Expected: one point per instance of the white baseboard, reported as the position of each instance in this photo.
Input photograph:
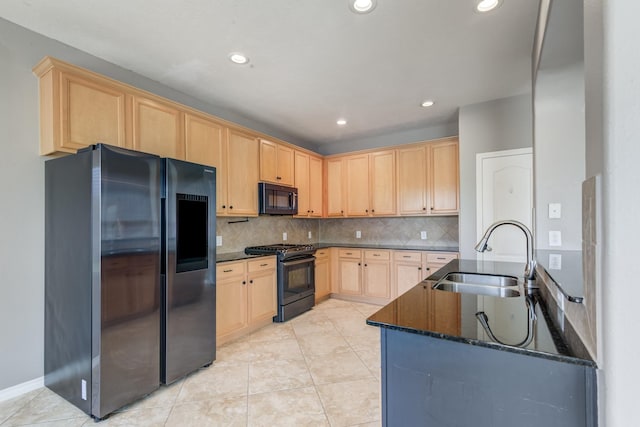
(19, 389)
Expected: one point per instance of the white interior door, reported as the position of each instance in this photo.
(504, 191)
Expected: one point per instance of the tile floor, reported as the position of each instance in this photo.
(319, 369)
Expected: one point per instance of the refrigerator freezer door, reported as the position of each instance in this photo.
(188, 268)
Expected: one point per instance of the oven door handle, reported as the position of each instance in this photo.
(298, 261)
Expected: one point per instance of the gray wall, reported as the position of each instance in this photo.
(559, 153)
(621, 160)
(503, 124)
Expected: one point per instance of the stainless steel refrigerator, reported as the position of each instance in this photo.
(106, 250)
(188, 268)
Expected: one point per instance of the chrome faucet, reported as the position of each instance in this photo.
(530, 268)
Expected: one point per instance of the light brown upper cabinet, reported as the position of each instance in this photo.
(206, 143)
(335, 200)
(156, 127)
(77, 111)
(308, 181)
(242, 174)
(370, 186)
(428, 178)
(445, 181)
(276, 163)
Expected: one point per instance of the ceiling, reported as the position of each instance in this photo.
(311, 61)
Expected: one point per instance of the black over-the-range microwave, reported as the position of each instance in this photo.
(277, 199)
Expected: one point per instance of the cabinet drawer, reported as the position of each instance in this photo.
(407, 256)
(377, 255)
(230, 269)
(322, 253)
(262, 264)
(441, 258)
(349, 253)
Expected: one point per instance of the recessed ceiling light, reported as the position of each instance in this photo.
(341, 122)
(487, 5)
(427, 103)
(238, 58)
(362, 6)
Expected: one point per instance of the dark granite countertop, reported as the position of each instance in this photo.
(565, 269)
(235, 256)
(507, 317)
(387, 246)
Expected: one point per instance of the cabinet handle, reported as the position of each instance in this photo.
(376, 254)
(440, 257)
(230, 207)
(277, 177)
(349, 253)
(366, 210)
(431, 207)
(424, 209)
(251, 281)
(263, 265)
(341, 212)
(419, 268)
(224, 206)
(406, 256)
(359, 264)
(244, 282)
(227, 271)
(428, 269)
(365, 265)
(373, 210)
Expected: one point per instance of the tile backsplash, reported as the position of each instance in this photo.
(405, 231)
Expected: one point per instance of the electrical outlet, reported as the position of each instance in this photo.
(423, 235)
(358, 234)
(555, 238)
(309, 235)
(284, 236)
(555, 210)
(218, 240)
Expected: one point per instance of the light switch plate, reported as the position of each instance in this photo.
(555, 261)
(555, 210)
(555, 238)
(423, 235)
(284, 236)
(218, 240)
(358, 234)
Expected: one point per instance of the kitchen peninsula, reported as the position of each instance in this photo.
(528, 377)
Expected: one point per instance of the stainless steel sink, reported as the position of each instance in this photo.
(479, 284)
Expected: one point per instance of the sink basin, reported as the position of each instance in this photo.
(479, 284)
(481, 279)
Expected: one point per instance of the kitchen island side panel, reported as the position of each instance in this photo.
(436, 382)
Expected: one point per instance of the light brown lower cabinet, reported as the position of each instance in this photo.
(323, 274)
(245, 297)
(364, 274)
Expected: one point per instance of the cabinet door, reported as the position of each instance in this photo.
(242, 172)
(157, 128)
(268, 161)
(382, 177)
(262, 296)
(205, 144)
(412, 180)
(376, 281)
(276, 163)
(302, 183)
(335, 187)
(91, 113)
(349, 276)
(231, 306)
(357, 185)
(407, 274)
(445, 183)
(315, 186)
(323, 286)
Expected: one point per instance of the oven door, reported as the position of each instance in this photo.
(296, 279)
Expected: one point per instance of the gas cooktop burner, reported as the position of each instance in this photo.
(282, 250)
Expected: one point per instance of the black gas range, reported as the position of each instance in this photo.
(296, 277)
